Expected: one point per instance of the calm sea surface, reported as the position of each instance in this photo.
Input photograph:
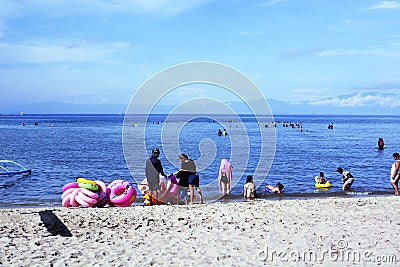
(63, 147)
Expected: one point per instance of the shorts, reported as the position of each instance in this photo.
(266, 189)
(396, 178)
(349, 182)
(224, 179)
(183, 193)
(194, 180)
(154, 186)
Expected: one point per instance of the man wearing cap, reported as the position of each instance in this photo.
(155, 153)
(153, 171)
(395, 174)
(347, 179)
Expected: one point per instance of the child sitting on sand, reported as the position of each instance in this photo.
(249, 189)
(275, 189)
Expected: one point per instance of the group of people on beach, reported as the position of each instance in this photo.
(188, 178)
(249, 188)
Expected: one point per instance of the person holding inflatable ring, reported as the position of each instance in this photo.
(194, 179)
(188, 177)
(183, 179)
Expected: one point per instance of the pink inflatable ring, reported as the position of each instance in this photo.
(121, 192)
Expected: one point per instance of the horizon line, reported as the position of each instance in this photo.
(185, 114)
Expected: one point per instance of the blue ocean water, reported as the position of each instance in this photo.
(63, 147)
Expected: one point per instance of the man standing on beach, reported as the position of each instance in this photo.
(394, 173)
(347, 178)
(153, 171)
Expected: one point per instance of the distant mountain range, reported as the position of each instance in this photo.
(368, 103)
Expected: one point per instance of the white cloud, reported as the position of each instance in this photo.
(352, 52)
(65, 51)
(190, 91)
(61, 8)
(392, 51)
(250, 33)
(2, 28)
(386, 5)
(361, 100)
(393, 40)
(271, 2)
(309, 94)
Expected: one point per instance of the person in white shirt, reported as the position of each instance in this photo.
(347, 178)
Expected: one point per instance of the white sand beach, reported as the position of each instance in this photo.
(326, 232)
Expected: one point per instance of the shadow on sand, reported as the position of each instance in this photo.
(53, 224)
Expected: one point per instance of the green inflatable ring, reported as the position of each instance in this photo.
(89, 186)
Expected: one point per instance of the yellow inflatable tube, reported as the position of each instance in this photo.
(85, 181)
(326, 185)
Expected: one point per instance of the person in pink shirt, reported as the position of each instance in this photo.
(225, 177)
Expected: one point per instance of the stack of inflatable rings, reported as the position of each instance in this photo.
(84, 193)
(168, 191)
(122, 193)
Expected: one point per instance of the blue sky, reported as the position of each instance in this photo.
(302, 52)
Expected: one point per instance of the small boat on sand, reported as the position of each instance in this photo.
(9, 168)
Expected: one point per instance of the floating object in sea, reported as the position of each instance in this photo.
(9, 168)
(326, 185)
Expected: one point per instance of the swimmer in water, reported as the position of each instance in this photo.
(275, 189)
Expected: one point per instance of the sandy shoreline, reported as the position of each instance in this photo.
(330, 231)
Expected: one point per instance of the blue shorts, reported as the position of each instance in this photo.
(266, 189)
(183, 193)
(194, 180)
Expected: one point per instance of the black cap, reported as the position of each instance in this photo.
(155, 153)
(340, 170)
